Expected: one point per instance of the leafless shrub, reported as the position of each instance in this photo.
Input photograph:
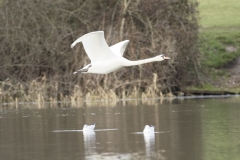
(36, 35)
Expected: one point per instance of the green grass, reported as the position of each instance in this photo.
(220, 28)
(219, 13)
(214, 44)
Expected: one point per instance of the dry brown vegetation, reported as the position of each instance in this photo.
(37, 62)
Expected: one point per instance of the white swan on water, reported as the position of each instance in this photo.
(105, 59)
(88, 127)
(148, 129)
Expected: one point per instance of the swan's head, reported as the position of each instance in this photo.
(147, 127)
(162, 57)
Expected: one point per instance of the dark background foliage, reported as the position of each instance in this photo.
(36, 35)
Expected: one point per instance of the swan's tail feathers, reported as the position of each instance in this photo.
(84, 69)
(80, 71)
(75, 42)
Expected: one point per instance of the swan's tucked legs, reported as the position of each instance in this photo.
(85, 69)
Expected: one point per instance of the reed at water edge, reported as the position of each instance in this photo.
(41, 92)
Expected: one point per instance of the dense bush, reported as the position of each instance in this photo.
(35, 39)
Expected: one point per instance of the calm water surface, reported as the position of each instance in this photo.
(187, 129)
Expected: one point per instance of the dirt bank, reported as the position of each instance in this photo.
(234, 70)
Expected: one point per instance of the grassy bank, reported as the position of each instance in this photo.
(219, 46)
(219, 38)
(219, 13)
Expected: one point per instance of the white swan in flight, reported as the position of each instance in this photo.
(105, 59)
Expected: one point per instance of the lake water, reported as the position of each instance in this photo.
(186, 129)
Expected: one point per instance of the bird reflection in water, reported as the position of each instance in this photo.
(149, 139)
(89, 138)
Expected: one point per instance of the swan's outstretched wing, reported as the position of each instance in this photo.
(119, 48)
(95, 46)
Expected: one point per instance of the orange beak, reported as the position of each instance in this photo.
(165, 57)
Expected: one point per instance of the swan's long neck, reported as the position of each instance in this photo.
(139, 62)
